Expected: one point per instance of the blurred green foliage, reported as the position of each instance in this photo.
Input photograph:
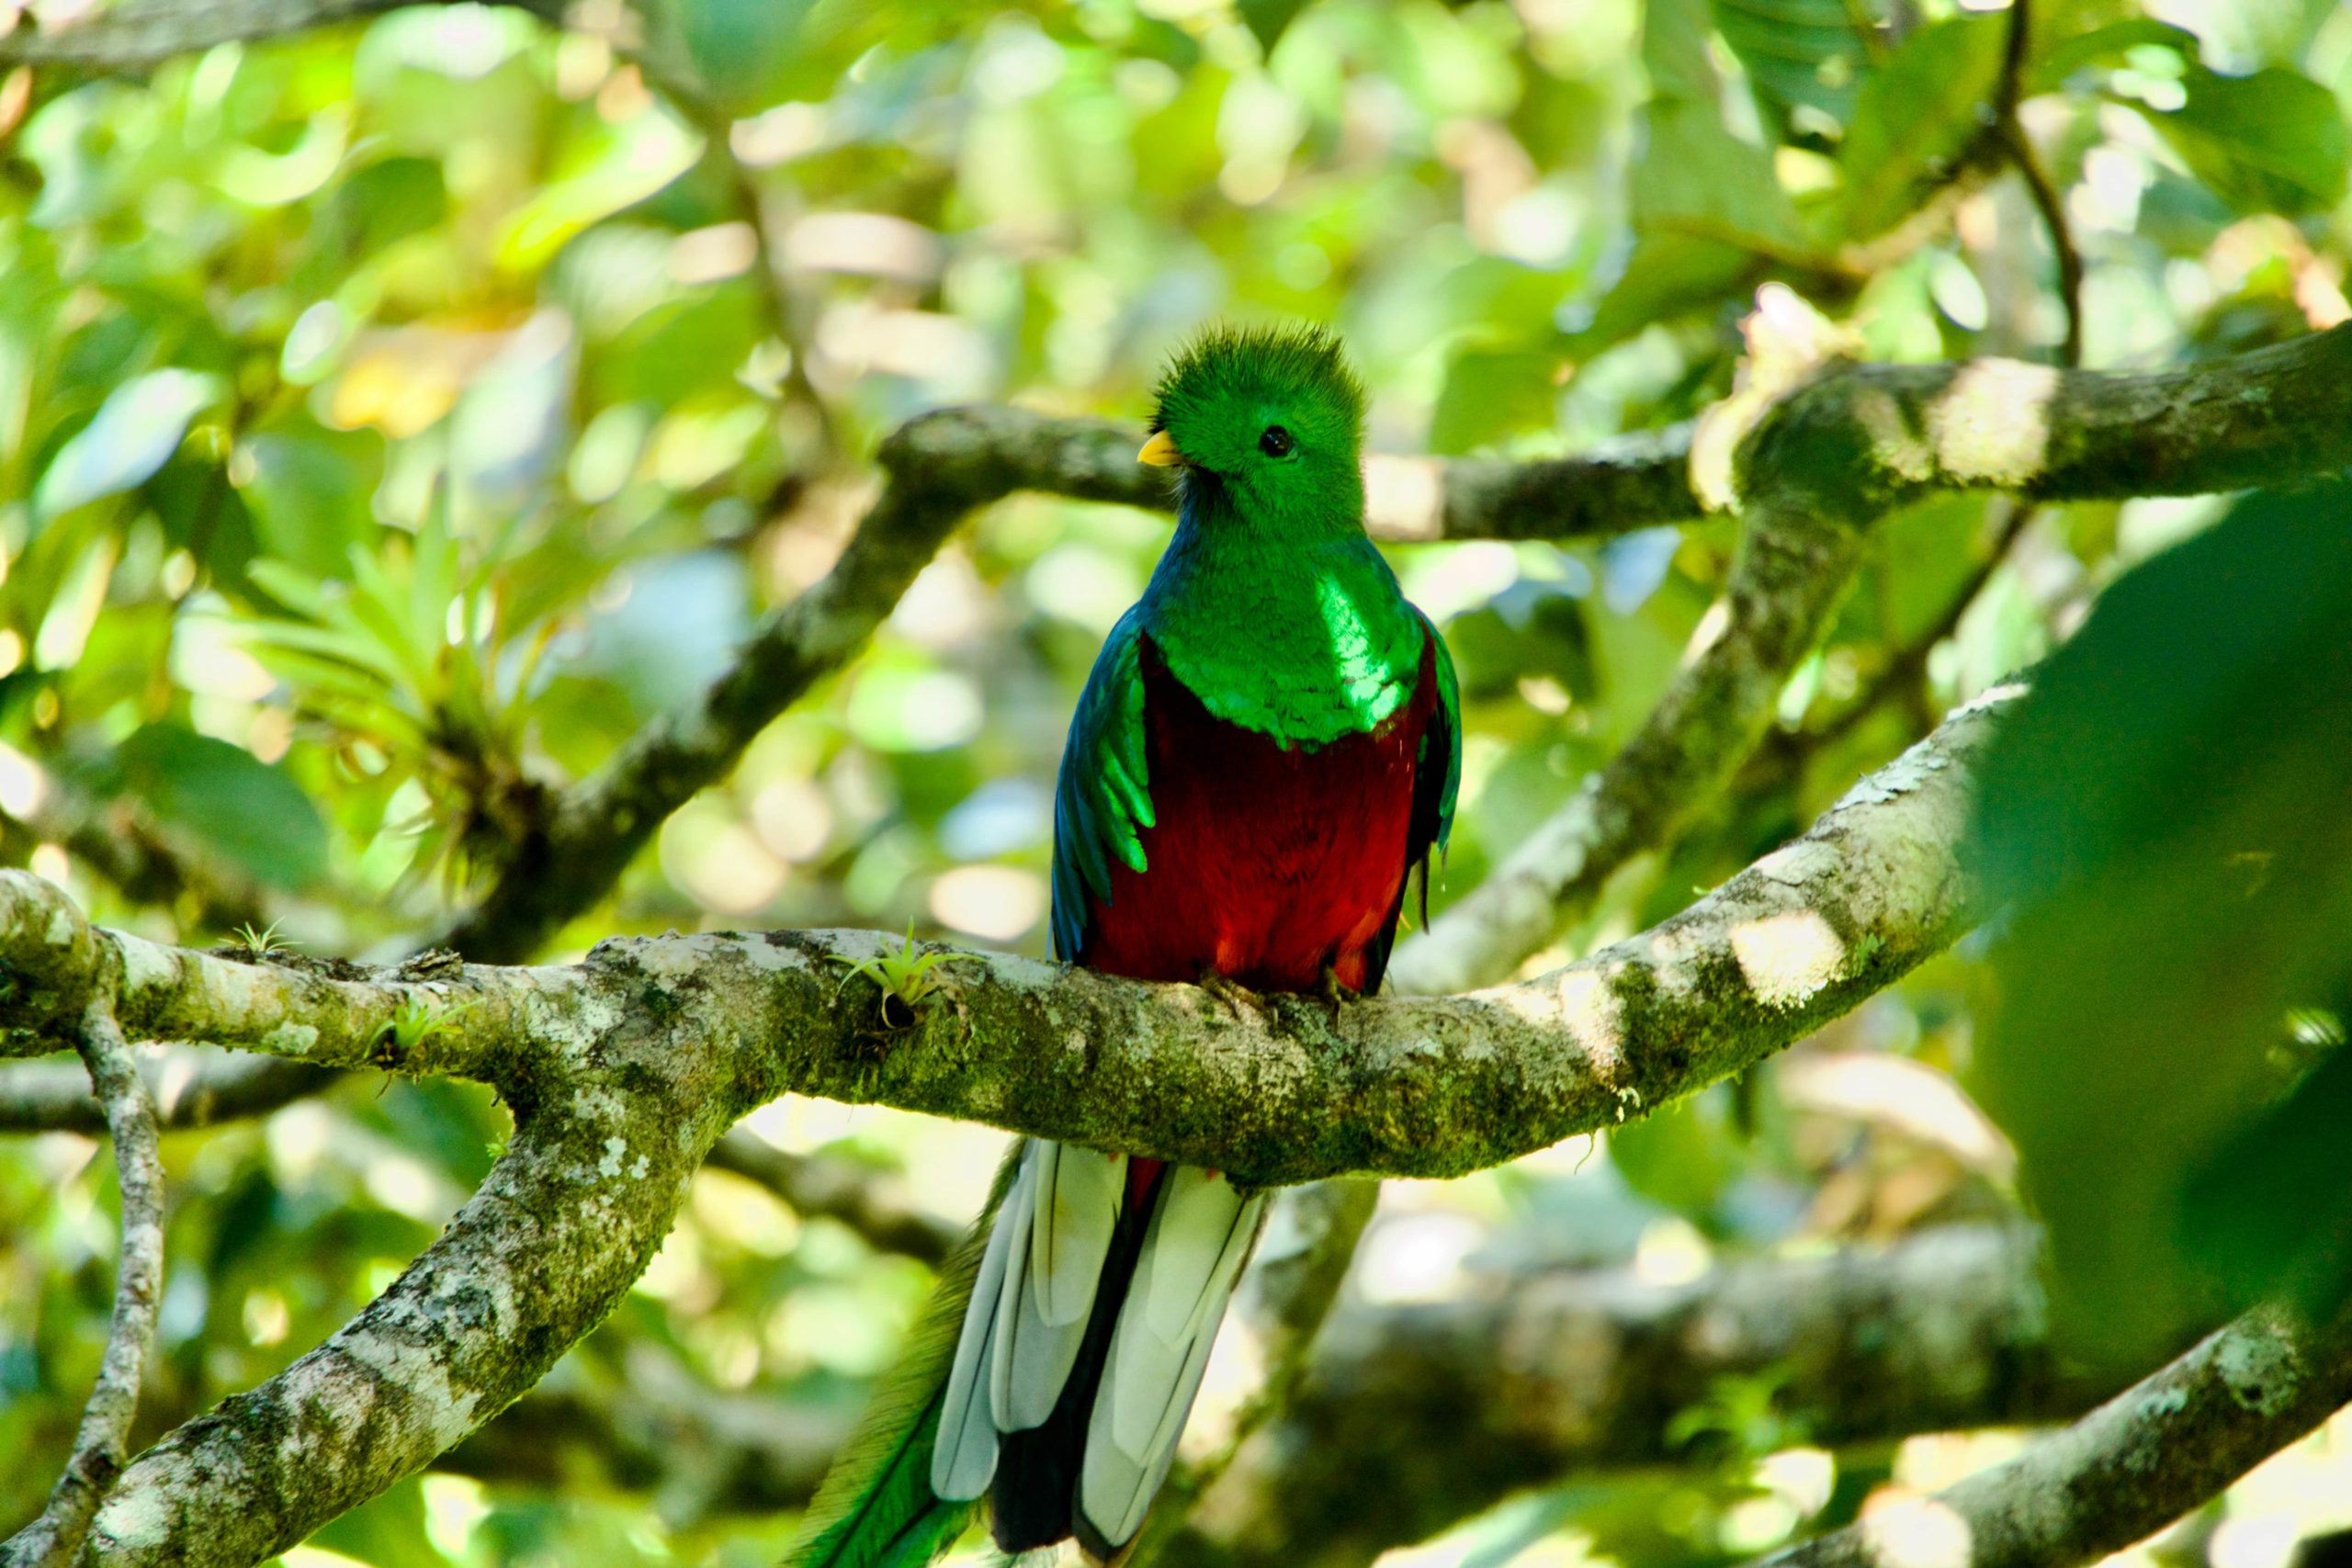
(2169, 822)
(393, 418)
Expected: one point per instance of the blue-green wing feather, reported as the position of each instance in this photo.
(1102, 799)
(1435, 786)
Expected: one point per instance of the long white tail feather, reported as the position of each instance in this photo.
(1187, 1236)
(1017, 1222)
(962, 1461)
(1177, 1272)
(1078, 1193)
(1083, 1191)
(1031, 1302)
(1139, 1411)
(1115, 1487)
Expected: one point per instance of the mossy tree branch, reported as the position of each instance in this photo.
(623, 1071)
(2123, 1472)
(1277, 1090)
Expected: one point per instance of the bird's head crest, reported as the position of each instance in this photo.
(1273, 414)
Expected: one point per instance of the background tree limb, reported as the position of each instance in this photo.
(1415, 1417)
(2123, 1472)
(103, 1443)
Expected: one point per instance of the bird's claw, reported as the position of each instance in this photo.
(1238, 998)
(1336, 992)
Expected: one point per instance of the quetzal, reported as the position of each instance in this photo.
(1267, 744)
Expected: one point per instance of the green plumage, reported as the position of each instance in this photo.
(875, 1508)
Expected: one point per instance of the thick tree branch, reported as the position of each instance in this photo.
(1414, 1417)
(2125, 1471)
(608, 1129)
(1276, 1090)
(623, 1071)
(103, 1441)
(1565, 1372)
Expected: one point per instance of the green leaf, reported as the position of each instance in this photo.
(1664, 275)
(1490, 393)
(2273, 1210)
(2105, 47)
(1693, 177)
(1914, 117)
(1269, 20)
(311, 491)
(2273, 141)
(1674, 49)
(1796, 52)
(227, 800)
(2168, 821)
(134, 431)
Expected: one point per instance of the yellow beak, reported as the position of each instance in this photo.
(1160, 451)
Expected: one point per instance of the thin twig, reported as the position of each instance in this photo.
(676, 86)
(2052, 209)
(190, 1088)
(2018, 148)
(103, 1443)
(1785, 751)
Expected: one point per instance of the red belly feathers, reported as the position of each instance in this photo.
(1264, 864)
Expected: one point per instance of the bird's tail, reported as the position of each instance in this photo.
(876, 1507)
(1088, 1328)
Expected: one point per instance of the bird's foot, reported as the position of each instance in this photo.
(1238, 998)
(1336, 992)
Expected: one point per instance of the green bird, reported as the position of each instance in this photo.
(1269, 743)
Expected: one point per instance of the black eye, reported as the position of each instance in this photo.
(1276, 442)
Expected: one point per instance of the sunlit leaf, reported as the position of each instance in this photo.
(2274, 141)
(1797, 53)
(132, 434)
(1914, 117)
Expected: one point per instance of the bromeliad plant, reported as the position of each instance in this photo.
(906, 978)
(418, 667)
